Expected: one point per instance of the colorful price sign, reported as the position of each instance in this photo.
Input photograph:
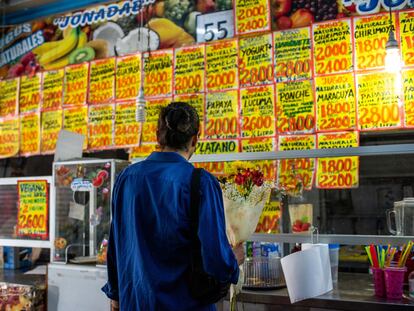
(29, 134)
(338, 172)
(407, 37)
(51, 125)
(295, 107)
(371, 35)
(158, 68)
(128, 77)
(217, 147)
(222, 64)
(100, 127)
(33, 208)
(75, 86)
(335, 100)
(142, 151)
(149, 130)
(76, 120)
(258, 111)
(293, 54)
(294, 174)
(378, 101)
(9, 97)
(258, 144)
(269, 221)
(127, 129)
(222, 118)
(52, 88)
(252, 16)
(198, 102)
(9, 137)
(29, 99)
(256, 60)
(408, 83)
(332, 46)
(215, 168)
(101, 81)
(269, 169)
(189, 68)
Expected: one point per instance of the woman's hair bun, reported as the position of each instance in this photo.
(178, 119)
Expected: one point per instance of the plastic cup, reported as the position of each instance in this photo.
(394, 278)
(334, 259)
(379, 283)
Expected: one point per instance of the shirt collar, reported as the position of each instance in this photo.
(166, 157)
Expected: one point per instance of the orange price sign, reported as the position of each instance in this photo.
(378, 101)
(215, 168)
(338, 172)
(332, 46)
(153, 109)
(258, 111)
(269, 221)
(189, 69)
(100, 127)
(9, 97)
(76, 120)
(222, 64)
(371, 35)
(295, 107)
(407, 37)
(127, 129)
(52, 88)
(33, 208)
(198, 102)
(222, 117)
(101, 81)
(75, 86)
(256, 60)
(128, 77)
(252, 16)
(30, 134)
(408, 84)
(29, 99)
(258, 144)
(142, 151)
(335, 101)
(217, 147)
(9, 137)
(296, 173)
(293, 54)
(158, 68)
(51, 125)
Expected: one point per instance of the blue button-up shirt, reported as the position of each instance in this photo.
(150, 238)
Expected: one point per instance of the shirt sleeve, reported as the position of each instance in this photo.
(218, 257)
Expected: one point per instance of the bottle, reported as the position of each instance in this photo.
(411, 284)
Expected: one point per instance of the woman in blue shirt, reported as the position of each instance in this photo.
(150, 239)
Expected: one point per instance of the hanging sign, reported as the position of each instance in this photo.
(252, 16)
(198, 102)
(29, 99)
(30, 134)
(52, 89)
(293, 54)
(9, 137)
(127, 129)
(76, 120)
(153, 109)
(75, 86)
(258, 144)
(51, 125)
(189, 68)
(217, 147)
(100, 126)
(269, 221)
(335, 101)
(128, 77)
(221, 65)
(408, 85)
(215, 168)
(406, 20)
(9, 97)
(158, 68)
(101, 81)
(256, 60)
(142, 151)
(33, 208)
(332, 47)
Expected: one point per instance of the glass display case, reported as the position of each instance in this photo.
(82, 196)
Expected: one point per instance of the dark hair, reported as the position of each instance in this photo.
(177, 124)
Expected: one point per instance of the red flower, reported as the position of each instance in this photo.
(239, 179)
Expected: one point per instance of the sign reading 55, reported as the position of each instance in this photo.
(215, 26)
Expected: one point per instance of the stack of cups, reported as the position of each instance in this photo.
(388, 282)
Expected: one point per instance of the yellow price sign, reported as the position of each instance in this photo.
(128, 77)
(371, 35)
(293, 54)
(335, 101)
(215, 168)
(256, 60)
(408, 84)
(217, 146)
(33, 208)
(142, 151)
(222, 65)
(158, 68)
(127, 129)
(332, 46)
(258, 111)
(189, 68)
(252, 16)
(29, 134)
(76, 120)
(153, 109)
(222, 115)
(198, 102)
(30, 96)
(9, 97)
(378, 101)
(9, 137)
(52, 123)
(100, 127)
(295, 107)
(258, 144)
(101, 81)
(269, 221)
(407, 37)
(52, 88)
(75, 86)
